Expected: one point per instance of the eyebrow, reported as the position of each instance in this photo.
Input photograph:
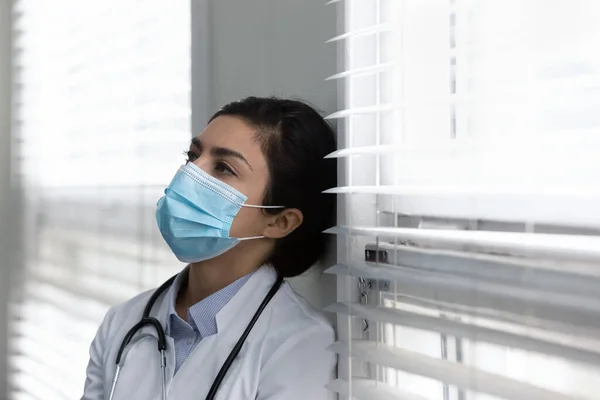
(222, 152)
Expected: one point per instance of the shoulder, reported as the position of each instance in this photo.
(132, 308)
(121, 317)
(294, 325)
(294, 312)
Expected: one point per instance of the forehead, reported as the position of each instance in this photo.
(232, 133)
(235, 134)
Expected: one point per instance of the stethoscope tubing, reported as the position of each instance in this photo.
(146, 320)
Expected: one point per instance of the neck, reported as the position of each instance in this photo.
(209, 276)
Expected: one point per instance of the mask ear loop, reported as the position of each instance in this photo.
(253, 206)
(250, 238)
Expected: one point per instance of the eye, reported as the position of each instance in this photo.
(223, 168)
(190, 156)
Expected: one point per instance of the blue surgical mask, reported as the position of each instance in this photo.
(196, 212)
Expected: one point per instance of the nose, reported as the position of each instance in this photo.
(204, 162)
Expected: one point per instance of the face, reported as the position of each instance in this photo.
(228, 151)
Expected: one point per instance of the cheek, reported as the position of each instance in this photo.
(248, 222)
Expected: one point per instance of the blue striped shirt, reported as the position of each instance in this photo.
(201, 317)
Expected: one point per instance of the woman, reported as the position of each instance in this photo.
(245, 210)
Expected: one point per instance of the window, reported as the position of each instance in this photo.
(469, 225)
(102, 113)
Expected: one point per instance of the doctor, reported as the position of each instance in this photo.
(244, 212)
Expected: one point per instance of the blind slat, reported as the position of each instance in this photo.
(361, 110)
(371, 30)
(466, 331)
(539, 245)
(580, 278)
(372, 69)
(448, 372)
(571, 193)
(367, 389)
(489, 275)
(569, 309)
(500, 147)
(473, 311)
(466, 201)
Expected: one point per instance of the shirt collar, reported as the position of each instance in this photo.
(202, 315)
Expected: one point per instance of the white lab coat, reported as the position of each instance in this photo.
(285, 357)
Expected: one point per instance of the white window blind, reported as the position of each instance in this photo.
(469, 223)
(102, 115)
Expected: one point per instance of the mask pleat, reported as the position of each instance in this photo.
(183, 226)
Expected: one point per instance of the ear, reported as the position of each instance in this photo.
(283, 223)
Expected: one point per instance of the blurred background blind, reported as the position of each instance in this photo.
(102, 115)
(469, 229)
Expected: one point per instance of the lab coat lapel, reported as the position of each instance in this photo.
(240, 310)
(196, 375)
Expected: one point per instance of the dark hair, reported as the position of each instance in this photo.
(294, 139)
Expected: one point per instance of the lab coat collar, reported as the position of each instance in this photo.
(164, 302)
(160, 311)
(231, 321)
(171, 297)
(253, 291)
(202, 315)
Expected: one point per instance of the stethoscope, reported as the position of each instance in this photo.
(162, 341)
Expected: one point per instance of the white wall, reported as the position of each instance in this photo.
(265, 47)
(5, 194)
